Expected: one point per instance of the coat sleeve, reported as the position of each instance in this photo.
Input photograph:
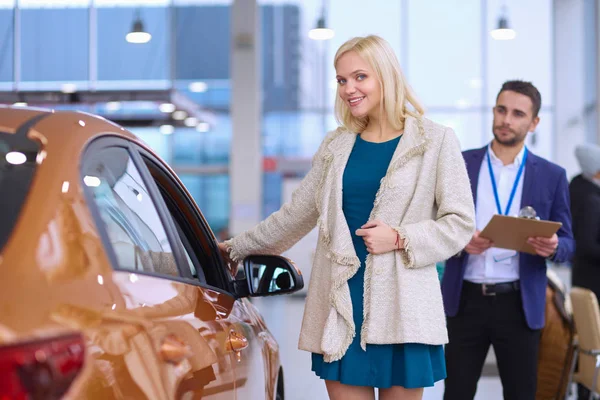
(285, 227)
(589, 243)
(561, 212)
(427, 242)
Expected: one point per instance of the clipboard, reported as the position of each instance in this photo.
(512, 232)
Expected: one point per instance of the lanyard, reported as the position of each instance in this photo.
(514, 189)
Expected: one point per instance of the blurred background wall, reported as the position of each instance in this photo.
(176, 91)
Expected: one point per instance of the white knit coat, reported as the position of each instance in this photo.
(425, 196)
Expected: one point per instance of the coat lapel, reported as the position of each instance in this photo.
(341, 245)
(474, 161)
(413, 143)
(529, 183)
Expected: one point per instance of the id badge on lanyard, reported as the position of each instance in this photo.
(504, 256)
(515, 185)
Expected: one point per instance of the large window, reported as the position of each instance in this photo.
(444, 47)
(59, 54)
(6, 47)
(444, 63)
(137, 65)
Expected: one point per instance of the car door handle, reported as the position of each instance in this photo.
(174, 350)
(236, 342)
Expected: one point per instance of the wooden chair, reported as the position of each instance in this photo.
(556, 344)
(586, 314)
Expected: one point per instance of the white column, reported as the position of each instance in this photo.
(569, 82)
(245, 170)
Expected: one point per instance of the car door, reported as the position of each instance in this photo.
(250, 344)
(180, 346)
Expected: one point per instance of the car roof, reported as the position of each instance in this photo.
(12, 118)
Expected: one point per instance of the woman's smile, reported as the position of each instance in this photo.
(355, 101)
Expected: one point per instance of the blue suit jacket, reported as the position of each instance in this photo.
(546, 189)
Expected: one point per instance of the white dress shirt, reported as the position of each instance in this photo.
(496, 265)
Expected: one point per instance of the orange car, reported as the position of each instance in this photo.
(112, 285)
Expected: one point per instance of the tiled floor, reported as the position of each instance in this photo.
(284, 316)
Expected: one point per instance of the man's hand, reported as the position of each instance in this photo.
(379, 237)
(544, 247)
(478, 245)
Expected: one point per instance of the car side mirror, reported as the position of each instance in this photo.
(271, 275)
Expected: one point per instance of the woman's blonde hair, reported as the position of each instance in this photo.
(396, 94)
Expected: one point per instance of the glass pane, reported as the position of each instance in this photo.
(281, 55)
(160, 143)
(272, 182)
(17, 170)
(203, 42)
(119, 60)
(216, 94)
(211, 193)
(349, 18)
(295, 134)
(541, 141)
(193, 148)
(468, 127)
(591, 18)
(6, 45)
(55, 44)
(132, 222)
(529, 56)
(444, 58)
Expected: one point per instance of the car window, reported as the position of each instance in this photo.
(17, 169)
(133, 225)
(192, 260)
(198, 243)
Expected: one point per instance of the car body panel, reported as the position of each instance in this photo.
(146, 336)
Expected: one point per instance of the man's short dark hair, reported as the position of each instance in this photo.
(528, 90)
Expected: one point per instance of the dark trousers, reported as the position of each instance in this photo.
(491, 320)
(582, 392)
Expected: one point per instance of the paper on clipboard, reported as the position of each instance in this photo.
(512, 232)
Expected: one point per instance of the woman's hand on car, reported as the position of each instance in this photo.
(231, 265)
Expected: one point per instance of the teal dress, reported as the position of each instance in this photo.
(411, 365)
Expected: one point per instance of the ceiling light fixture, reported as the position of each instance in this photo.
(167, 107)
(190, 121)
(68, 88)
(203, 127)
(113, 106)
(198, 87)
(179, 115)
(138, 34)
(321, 32)
(503, 30)
(166, 129)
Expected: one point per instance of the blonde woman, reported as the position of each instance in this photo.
(390, 194)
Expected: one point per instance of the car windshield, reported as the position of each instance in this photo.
(17, 168)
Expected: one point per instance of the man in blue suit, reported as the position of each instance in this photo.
(496, 296)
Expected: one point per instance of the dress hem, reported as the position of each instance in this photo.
(344, 382)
